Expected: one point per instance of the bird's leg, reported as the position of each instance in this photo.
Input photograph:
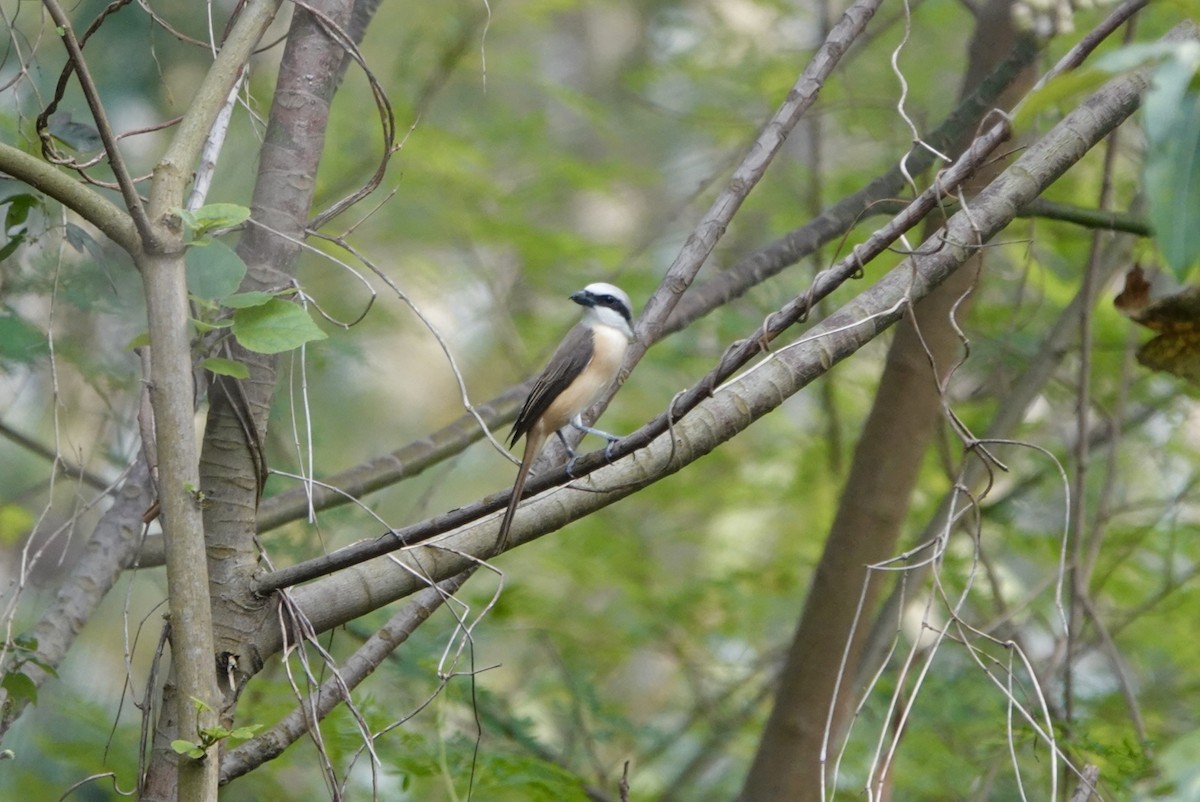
(570, 462)
(612, 439)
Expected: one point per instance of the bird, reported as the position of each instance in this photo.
(581, 370)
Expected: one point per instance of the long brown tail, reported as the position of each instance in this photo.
(533, 444)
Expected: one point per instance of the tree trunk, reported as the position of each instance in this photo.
(232, 461)
(817, 690)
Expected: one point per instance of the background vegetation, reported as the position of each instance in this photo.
(1027, 509)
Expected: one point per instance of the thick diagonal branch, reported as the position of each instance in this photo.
(351, 593)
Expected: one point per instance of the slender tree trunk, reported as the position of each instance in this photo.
(817, 691)
(868, 522)
(232, 461)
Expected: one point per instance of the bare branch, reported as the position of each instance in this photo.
(353, 671)
(133, 202)
(712, 225)
(839, 218)
(737, 357)
(113, 541)
(66, 466)
(416, 457)
(116, 224)
(735, 405)
(176, 165)
(1087, 784)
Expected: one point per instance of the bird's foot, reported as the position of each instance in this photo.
(608, 449)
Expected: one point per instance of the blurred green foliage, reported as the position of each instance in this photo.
(549, 144)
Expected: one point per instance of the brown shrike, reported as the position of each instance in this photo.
(582, 369)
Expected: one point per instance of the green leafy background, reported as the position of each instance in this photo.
(650, 632)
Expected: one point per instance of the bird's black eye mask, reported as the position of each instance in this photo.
(614, 303)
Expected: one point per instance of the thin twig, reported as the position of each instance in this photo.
(746, 175)
(69, 468)
(133, 202)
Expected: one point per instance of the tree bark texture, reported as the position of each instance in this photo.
(233, 460)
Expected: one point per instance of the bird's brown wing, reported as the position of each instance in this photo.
(565, 365)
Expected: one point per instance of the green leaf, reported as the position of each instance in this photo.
(1168, 89)
(10, 247)
(528, 778)
(274, 327)
(14, 221)
(19, 341)
(15, 524)
(214, 734)
(1130, 57)
(1172, 180)
(245, 733)
(213, 270)
(26, 641)
(81, 136)
(19, 206)
(139, 341)
(212, 217)
(187, 748)
(244, 300)
(227, 367)
(200, 705)
(83, 242)
(20, 686)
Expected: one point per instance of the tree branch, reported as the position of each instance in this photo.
(105, 215)
(346, 678)
(712, 226)
(403, 463)
(737, 356)
(179, 160)
(193, 654)
(171, 395)
(416, 457)
(133, 202)
(734, 406)
(1010, 411)
(113, 540)
(839, 218)
(67, 467)
(1100, 219)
